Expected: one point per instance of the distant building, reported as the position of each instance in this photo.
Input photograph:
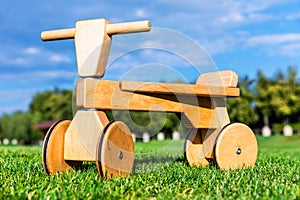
(44, 126)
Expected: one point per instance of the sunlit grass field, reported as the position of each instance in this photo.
(160, 172)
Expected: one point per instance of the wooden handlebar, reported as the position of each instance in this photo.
(111, 29)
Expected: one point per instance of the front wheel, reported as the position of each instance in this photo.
(193, 149)
(115, 151)
(53, 149)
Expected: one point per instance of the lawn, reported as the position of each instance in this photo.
(160, 172)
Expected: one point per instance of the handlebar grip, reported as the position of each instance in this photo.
(111, 29)
(61, 34)
(128, 27)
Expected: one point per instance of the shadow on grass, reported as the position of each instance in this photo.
(152, 163)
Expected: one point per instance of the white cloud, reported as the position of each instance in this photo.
(258, 5)
(232, 17)
(36, 76)
(20, 61)
(292, 49)
(30, 56)
(226, 44)
(59, 58)
(53, 74)
(287, 44)
(216, 12)
(273, 39)
(140, 13)
(293, 16)
(32, 51)
(287, 50)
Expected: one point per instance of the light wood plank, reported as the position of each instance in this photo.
(82, 135)
(211, 134)
(92, 47)
(179, 89)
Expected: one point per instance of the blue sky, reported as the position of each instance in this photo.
(245, 36)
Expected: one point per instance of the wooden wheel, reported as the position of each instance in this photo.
(193, 149)
(53, 149)
(115, 151)
(236, 147)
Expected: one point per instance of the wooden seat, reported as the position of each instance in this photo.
(178, 89)
(215, 84)
(227, 78)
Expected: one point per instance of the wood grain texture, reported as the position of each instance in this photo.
(53, 149)
(115, 151)
(61, 34)
(82, 135)
(225, 78)
(211, 133)
(106, 95)
(92, 47)
(128, 27)
(179, 89)
(193, 149)
(236, 147)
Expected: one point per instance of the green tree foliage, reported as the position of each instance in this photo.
(150, 122)
(286, 99)
(278, 98)
(241, 109)
(5, 123)
(51, 105)
(18, 126)
(263, 96)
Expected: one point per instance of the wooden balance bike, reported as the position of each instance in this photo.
(91, 137)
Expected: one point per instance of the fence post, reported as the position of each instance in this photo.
(146, 137)
(160, 136)
(287, 130)
(266, 131)
(175, 136)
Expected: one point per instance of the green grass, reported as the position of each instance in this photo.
(275, 176)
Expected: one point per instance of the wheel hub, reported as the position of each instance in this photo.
(238, 151)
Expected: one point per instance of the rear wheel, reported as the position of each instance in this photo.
(236, 147)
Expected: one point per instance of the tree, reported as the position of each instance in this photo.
(51, 105)
(263, 97)
(18, 126)
(278, 98)
(241, 109)
(5, 123)
(285, 95)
